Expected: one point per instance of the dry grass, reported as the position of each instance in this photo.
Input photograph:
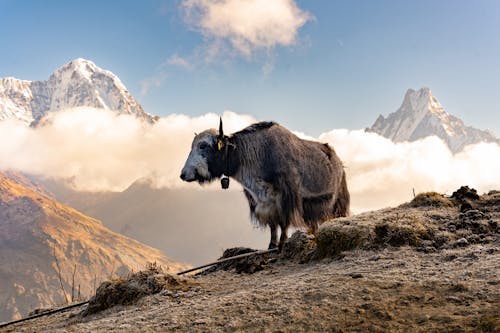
(430, 199)
(429, 222)
(300, 246)
(332, 239)
(127, 290)
(402, 230)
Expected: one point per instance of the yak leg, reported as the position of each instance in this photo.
(283, 236)
(314, 228)
(274, 242)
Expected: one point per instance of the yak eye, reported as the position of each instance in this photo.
(203, 145)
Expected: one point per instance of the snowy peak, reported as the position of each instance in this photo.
(85, 70)
(420, 97)
(400, 125)
(15, 95)
(81, 66)
(78, 83)
(421, 115)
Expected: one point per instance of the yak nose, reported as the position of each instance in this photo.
(183, 176)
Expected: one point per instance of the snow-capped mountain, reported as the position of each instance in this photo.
(78, 83)
(422, 115)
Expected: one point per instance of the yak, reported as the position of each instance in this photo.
(287, 181)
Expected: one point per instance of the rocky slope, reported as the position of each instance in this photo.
(421, 115)
(78, 83)
(431, 265)
(41, 239)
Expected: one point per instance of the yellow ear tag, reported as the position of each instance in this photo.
(219, 144)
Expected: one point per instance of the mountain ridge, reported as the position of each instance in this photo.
(40, 236)
(77, 83)
(421, 115)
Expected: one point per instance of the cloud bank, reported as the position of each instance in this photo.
(245, 25)
(382, 173)
(99, 150)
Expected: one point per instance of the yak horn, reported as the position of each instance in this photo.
(221, 131)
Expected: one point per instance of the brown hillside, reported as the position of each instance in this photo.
(35, 230)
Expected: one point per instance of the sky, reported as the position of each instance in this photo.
(325, 69)
(311, 65)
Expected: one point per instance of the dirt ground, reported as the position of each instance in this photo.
(445, 278)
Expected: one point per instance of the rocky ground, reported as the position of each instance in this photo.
(431, 265)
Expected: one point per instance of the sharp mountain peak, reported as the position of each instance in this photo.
(421, 115)
(78, 83)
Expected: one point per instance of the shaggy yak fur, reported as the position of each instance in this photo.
(287, 181)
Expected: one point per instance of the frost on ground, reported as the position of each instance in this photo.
(431, 265)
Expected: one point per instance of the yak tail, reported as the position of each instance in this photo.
(341, 205)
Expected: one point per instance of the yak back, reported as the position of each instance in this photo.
(273, 149)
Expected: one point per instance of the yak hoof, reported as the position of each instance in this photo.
(272, 246)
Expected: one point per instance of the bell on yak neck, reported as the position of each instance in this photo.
(224, 182)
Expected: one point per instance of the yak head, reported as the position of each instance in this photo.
(206, 159)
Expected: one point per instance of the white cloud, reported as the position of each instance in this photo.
(245, 25)
(161, 73)
(153, 81)
(382, 173)
(98, 150)
(176, 60)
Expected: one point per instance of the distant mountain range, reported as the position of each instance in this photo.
(40, 237)
(82, 83)
(78, 83)
(190, 225)
(421, 115)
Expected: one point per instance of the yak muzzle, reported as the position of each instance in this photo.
(185, 178)
(192, 176)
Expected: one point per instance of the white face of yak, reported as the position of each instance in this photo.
(202, 151)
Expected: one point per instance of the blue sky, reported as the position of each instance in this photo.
(350, 61)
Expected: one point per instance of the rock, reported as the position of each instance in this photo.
(384, 315)
(423, 319)
(465, 206)
(461, 243)
(465, 192)
(454, 299)
(366, 306)
(166, 293)
(473, 214)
